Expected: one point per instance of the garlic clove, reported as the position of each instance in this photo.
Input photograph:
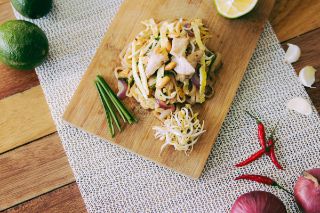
(300, 105)
(307, 76)
(293, 53)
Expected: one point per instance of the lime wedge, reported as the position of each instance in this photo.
(234, 8)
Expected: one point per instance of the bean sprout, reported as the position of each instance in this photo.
(181, 130)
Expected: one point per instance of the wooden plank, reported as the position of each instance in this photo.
(32, 170)
(291, 18)
(229, 38)
(64, 199)
(6, 11)
(310, 48)
(14, 81)
(4, 1)
(24, 117)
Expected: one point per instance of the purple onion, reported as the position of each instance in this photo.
(258, 202)
(163, 105)
(122, 87)
(196, 80)
(307, 191)
(188, 28)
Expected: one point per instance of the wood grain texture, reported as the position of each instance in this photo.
(310, 52)
(64, 199)
(14, 81)
(84, 112)
(32, 170)
(24, 117)
(6, 12)
(291, 18)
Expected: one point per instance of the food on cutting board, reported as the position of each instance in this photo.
(111, 105)
(23, 45)
(168, 63)
(234, 8)
(32, 8)
(164, 68)
(181, 131)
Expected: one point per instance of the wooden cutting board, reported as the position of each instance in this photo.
(234, 39)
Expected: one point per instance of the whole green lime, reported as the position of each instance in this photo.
(23, 45)
(32, 8)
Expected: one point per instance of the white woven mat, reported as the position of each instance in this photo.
(113, 180)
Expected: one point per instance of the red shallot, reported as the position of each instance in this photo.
(163, 105)
(122, 87)
(307, 191)
(196, 80)
(258, 202)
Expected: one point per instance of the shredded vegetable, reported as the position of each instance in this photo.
(171, 47)
(182, 130)
(203, 79)
(168, 66)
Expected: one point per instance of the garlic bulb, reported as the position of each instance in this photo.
(307, 76)
(293, 53)
(300, 105)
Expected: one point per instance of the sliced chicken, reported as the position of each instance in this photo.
(183, 66)
(179, 46)
(195, 57)
(156, 60)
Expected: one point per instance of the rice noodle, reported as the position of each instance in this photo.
(174, 48)
(156, 40)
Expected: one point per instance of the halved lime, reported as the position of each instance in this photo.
(234, 8)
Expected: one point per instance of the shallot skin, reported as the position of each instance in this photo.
(122, 86)
(258, 202)
(307, 194)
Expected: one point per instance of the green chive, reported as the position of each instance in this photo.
(107, 112)
(109, 106)
(111, 102)
(119, 105)
(115, 104)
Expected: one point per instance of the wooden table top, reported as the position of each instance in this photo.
(34, 172)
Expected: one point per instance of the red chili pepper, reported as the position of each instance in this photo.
(259, 179)
(274, 159)
(262, 179)
(252, 158)
(267, 148)
(261, 135)
(261, 131)
(272, 154)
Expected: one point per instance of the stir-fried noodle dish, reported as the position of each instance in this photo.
(167, 66)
